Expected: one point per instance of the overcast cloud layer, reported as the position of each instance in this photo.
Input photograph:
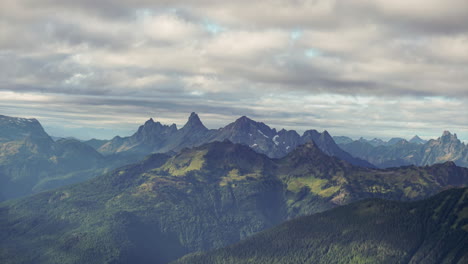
(90, 68)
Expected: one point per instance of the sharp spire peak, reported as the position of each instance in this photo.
(194, 121)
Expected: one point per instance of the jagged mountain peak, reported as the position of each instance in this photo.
(415, 151)
(151, 122)
(244, 119)
(311, 132)
(448, 135)
(245, 126)
(417, 140)
(194, 122)
(244, 130)
(448, 138)
(152, 127)
(326, 136)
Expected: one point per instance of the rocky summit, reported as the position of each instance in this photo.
(257, 135)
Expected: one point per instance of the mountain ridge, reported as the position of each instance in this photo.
(370, 231)
(202, 198)
(244, 130)
(31, 161)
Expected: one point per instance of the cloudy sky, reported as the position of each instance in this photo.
(375, 68)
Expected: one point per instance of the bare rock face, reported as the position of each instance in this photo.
(446, 148)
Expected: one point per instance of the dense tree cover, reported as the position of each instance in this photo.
(370, 231)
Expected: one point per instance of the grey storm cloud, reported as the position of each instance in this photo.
(300, 64)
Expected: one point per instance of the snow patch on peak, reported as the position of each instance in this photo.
(275, 140)
(262, 133)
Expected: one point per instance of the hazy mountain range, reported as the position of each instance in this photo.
(201, 198)
(416, 151)
(154, 137)
(377, 141)
(31, 161)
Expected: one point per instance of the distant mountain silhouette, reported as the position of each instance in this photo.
(418, 152)
(156, 138)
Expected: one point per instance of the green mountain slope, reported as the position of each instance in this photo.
(202, 198)
(30, 161)
(371, 231)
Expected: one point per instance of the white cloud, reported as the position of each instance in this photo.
(248, 57)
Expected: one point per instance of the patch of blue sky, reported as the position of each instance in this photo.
(296, 34)
(144, 13)
(311, 52)
(212, 27)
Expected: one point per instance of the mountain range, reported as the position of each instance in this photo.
(153, 137)
(445, 148)
(201, 198)
(433, 231)
(377, 141)
(31, 161)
